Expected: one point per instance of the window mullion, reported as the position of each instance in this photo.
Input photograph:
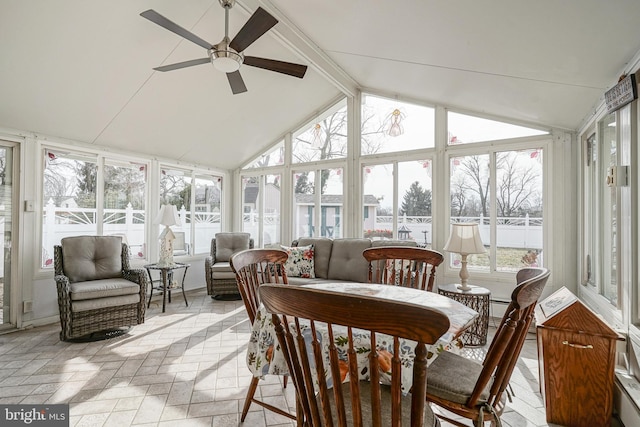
(100, 196)
(493, 209)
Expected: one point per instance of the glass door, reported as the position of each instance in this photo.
(6, 225)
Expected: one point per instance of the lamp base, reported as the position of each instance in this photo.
(166, 250)
(464, 288)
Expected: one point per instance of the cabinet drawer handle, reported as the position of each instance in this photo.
(570, 344)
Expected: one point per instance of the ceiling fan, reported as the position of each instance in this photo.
(227, 55)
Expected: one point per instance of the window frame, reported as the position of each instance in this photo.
(543, 142)
(101, 159)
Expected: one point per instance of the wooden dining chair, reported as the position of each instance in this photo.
(476, 391)
(403, 266)
(254, 267)
(327, 379)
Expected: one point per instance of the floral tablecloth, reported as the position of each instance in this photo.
(264, 355)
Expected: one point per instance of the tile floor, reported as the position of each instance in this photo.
(184, 367)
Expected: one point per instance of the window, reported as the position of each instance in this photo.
(69, 199)
(324, 138)
(398, 208)
(391, 126)
(508, 210)
(261, 208)
(465, 129)
(607, 207)
(206, 211)
(273, 157)
(308, 201)
(200, 212)
(124, 204)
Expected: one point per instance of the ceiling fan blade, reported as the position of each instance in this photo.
(259, 23)
(289, 68)
(155, 17)
(236, 82)
(184, 64)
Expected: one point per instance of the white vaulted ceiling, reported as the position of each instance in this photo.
(82, 70)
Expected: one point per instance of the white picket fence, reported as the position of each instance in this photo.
(60, 222)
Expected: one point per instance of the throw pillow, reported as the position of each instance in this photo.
(300, 261)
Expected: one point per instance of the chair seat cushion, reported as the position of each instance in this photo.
(98, 303)
(222, 270)
(103, 288)
(365, 398)
(453, 377)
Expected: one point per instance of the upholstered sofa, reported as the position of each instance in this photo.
(340, 259)
(221, 280)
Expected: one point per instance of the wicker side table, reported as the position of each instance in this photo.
(477, 298)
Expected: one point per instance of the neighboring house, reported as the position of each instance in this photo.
(271, 199)
(332, 206)
(208, 198)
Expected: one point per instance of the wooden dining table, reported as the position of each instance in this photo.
(264, 356)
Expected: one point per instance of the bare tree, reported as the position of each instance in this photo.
(59, 182)
(327, 139)
(476, 181)
(516, 186)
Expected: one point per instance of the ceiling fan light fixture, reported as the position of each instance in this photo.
(226, 60)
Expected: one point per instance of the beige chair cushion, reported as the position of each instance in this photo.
(222, 270)
(103, 288)
(228, 244)
(453, 377)
(347, 262)
(92, 257)
(322, 253)
(98, 303)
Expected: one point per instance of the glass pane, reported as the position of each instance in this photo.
(378, 201)
(331, 203)
(6, 229)
(591, 208)
(519, 209)
(324, 138)
(124, 205)
(69, 197)
(608, 208)
(464, 129)
(470, 203)
(414, 191)
(175, 189)
(251, 206)
(271, 223)
(304, 203)
(389, 125)
(206, 212)
(273, 157)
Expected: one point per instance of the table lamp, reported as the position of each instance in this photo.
(464, 240)
(167, 216)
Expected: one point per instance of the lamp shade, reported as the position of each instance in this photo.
(465, 239)
(168, 216)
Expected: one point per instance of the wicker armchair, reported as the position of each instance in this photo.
(221, 280)
(97, 291)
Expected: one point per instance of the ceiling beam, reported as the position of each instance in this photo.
(290, 36)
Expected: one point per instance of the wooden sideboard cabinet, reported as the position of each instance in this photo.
(576, 356)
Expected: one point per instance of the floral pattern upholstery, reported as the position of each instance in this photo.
(300, 262)
(264, 355)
